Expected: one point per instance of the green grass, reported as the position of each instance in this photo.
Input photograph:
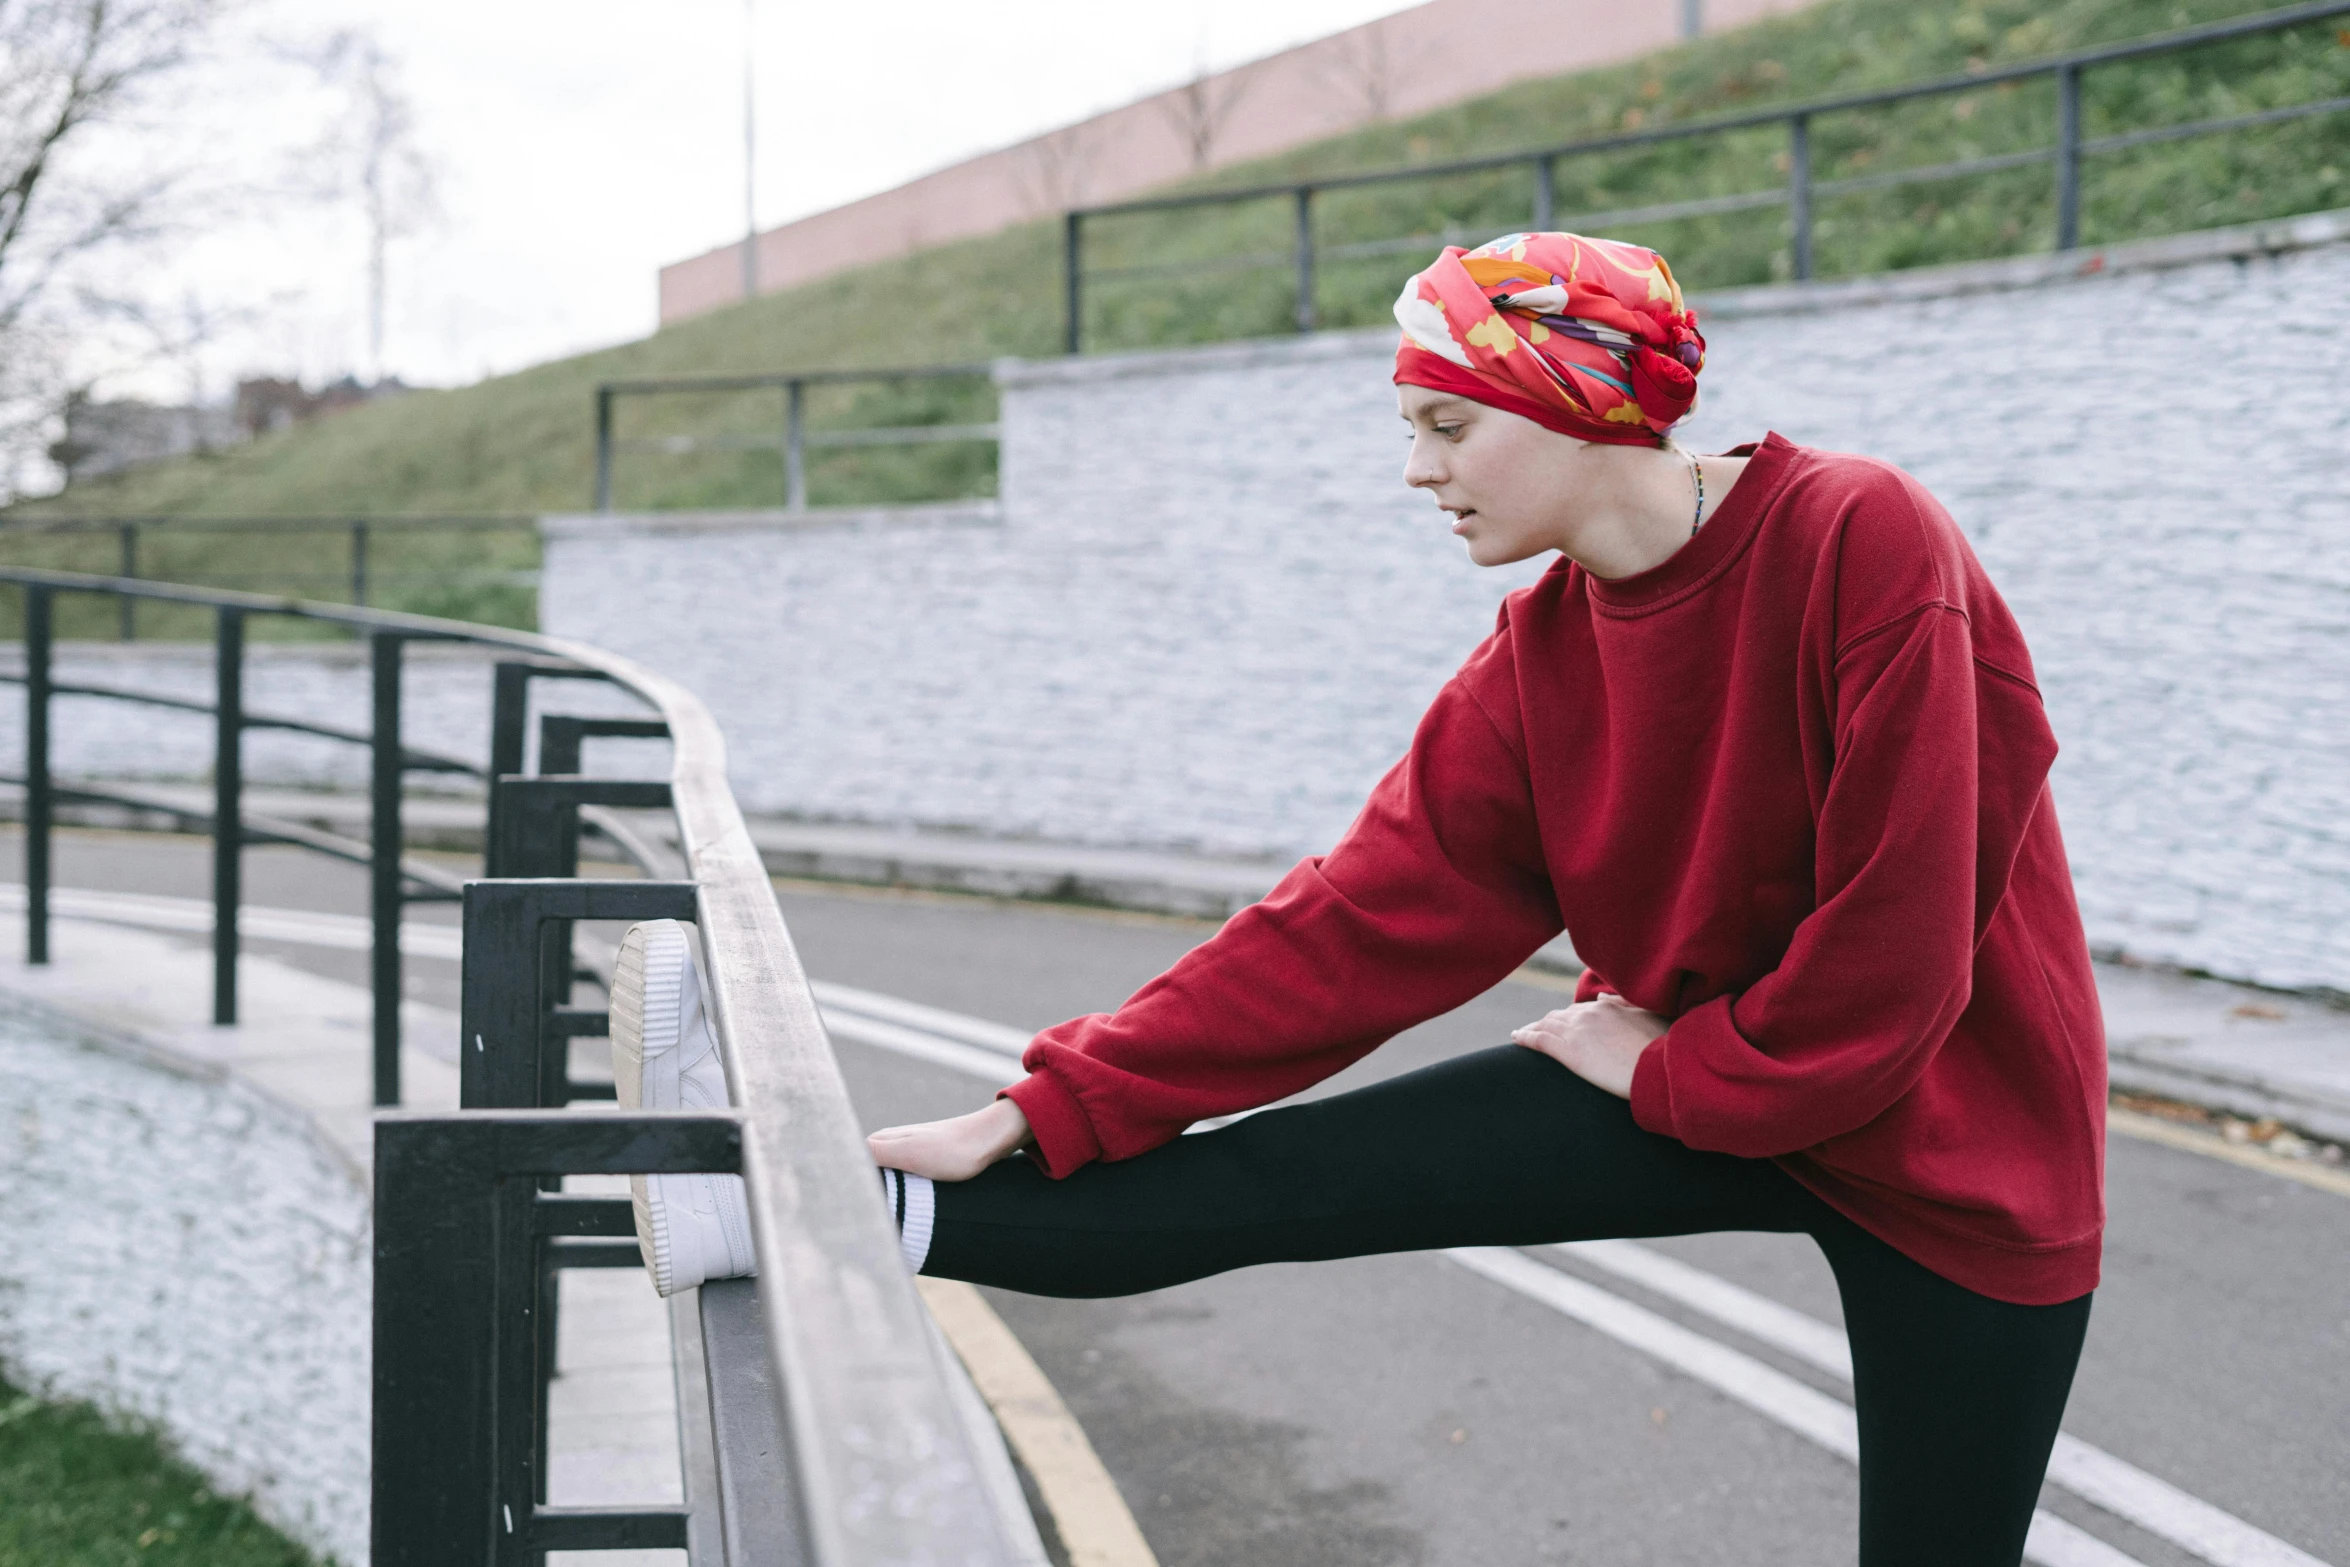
(74, 1493)
(523, 442)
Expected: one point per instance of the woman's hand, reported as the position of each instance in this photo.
(1599, 1041)
(953, 1150)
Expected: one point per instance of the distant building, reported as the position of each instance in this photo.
(266, 403)
(103, 438)
(1417, 60)
(110, 437)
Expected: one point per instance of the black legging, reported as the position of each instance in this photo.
(1958, 1395)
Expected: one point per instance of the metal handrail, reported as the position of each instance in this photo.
(794, 437)
(131, 528)
(882, 1465)
(1797, 195)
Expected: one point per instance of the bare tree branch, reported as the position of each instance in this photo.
(70, 70)
(1203, 106)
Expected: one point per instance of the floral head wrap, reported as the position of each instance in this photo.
(1587, 337)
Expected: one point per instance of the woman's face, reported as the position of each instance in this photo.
(1512, 487)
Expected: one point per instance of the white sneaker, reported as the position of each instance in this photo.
(664, 1057)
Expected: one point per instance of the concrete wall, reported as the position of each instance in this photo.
(1417, 60)
(189, 1255)
(1207, 614)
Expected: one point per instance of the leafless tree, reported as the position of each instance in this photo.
(68, 70)
(371, 155)
(1364, 64)
(1055, 168)
(1202, 107)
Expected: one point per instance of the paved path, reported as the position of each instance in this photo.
(1428, 1409)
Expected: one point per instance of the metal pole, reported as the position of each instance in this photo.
(1546, 195)
(1305, 258)
(228, 787)
(1692, 18)
(795, 445)
(2068, 157)
(1799, 190)
(128, 606)
(1072, 295)
(750, 151)
(603, 448)
(359, 563)
(38, 629)
(385, 841)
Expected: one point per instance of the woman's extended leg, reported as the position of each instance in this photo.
(1503, 1147)
(1959, 1397)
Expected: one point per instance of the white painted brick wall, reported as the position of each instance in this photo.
(1210, 613)
(191, 1256)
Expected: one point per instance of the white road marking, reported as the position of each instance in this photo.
(1776, 1396)
(2089, 1472)
(991, 1052)
(992, 1067)
(997, 1037)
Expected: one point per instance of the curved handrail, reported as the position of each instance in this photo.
(885, 1467)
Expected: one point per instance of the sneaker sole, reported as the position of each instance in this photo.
(648, 990)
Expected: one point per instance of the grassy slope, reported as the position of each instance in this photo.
(522, 442)
(75, 1494)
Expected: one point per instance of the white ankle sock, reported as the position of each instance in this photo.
(913, 1203)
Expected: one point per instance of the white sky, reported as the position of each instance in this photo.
(580, 144)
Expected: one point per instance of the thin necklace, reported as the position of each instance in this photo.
(1697, 472)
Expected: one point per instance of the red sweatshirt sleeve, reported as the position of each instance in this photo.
(1939, 764)
(1435, 894)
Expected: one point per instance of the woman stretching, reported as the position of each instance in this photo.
(1765, 742)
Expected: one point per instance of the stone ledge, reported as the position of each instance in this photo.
(777, 519)
(2244, 241)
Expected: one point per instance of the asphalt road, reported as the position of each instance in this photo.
(1405, 1410)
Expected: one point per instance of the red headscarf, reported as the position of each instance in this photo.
(1587, 337)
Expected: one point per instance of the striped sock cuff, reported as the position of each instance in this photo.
(913, 1205)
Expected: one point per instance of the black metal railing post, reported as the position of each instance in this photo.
(1305, 258)
(2068, 157)
(452, 1479)
(1546, 195)
(228, 809)
(359, 562)
(1072, 281)
(127, 607)
(603, 448)
(504, 1013)
(795, 444)
(385, 843)
(1799, 193)
(39, 804)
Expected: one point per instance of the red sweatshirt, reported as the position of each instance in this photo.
(1788, 789)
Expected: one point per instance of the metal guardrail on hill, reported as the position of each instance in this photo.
(791, 438)
(816, 1426)
(134, 536)
(1797, 195)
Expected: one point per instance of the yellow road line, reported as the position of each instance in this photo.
(1546, 979)
(2153, 1129)
(1087, 1510)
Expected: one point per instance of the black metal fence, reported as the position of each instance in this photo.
(790, 434)
(366, 559)
(1799, 194)
(817, 1426)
